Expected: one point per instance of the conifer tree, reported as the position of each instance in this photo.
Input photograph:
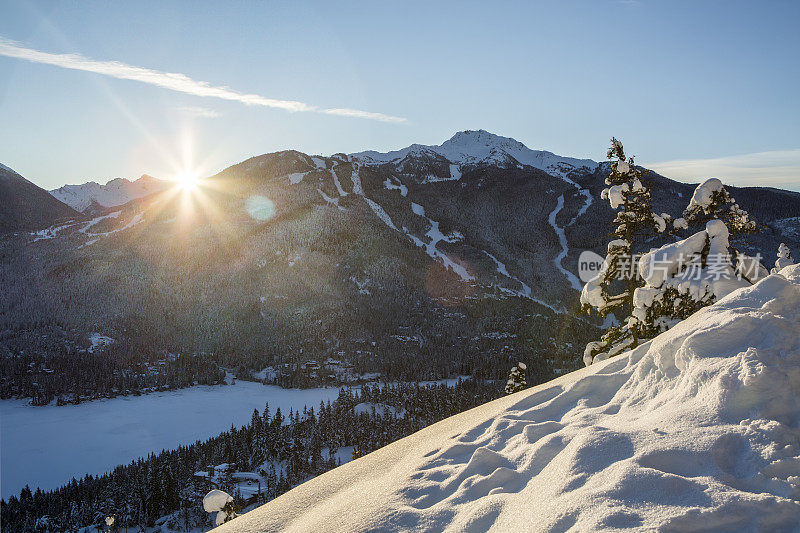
(784, 258)
(516, 379)
(712, 201)
(682, 277)
(613, 288)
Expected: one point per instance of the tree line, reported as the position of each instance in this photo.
(285, 449)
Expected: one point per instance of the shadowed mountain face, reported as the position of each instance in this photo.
(25, 206)
(421, 263)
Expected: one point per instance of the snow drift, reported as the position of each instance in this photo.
(698, 430)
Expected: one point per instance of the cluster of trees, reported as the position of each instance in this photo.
(652, 289)
(479, 338)
(68, 376)
(284, 449)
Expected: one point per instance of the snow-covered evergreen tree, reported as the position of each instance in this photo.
(613, 288)
(516, 379)
(784, 258)
(682, 277)
(712, 201)
(222, 503)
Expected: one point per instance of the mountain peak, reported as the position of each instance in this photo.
(472, 147)
(479, 137)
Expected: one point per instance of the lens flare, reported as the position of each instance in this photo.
(260, 207)
(187, 179)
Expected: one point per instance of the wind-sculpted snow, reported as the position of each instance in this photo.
(695, 431)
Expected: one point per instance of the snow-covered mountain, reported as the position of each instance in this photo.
(467, 260)
(482, 147)
(695, 431)
(116, 192)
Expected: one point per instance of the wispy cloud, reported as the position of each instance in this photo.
(173, 81)
(197, 111)
(779, 168)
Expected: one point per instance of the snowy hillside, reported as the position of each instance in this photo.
(474, 147)
(116, 192)
(696, 430)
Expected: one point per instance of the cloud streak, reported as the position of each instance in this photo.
(174, 81)
(780, 168)
(200, 112)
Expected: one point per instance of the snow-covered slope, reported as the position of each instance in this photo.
(116, 192)
(474, 147)
(695, 431)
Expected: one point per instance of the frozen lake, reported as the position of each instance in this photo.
(48, 446)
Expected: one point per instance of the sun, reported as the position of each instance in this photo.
(187, 179)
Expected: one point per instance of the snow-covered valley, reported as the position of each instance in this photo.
(421, 263)
(696, 430)
(48, 446)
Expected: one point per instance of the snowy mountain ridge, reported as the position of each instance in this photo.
(475, 147)
(695, 430)
(116, 192)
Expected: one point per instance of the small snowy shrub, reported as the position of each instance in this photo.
(516, 379)
(784, 258)
(222, 503)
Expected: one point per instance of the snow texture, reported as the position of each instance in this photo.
(216, 500)
(703, 193)
(356, 179)
(696, 430)
(671, 264)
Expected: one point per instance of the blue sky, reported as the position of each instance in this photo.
(694, 89)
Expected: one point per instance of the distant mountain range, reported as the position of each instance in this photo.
(422, 262)
(116, 192)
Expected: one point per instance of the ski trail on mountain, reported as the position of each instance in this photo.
(436, 236)
(525, 292)
(358, 189)
(562, 239)
(341, 191)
